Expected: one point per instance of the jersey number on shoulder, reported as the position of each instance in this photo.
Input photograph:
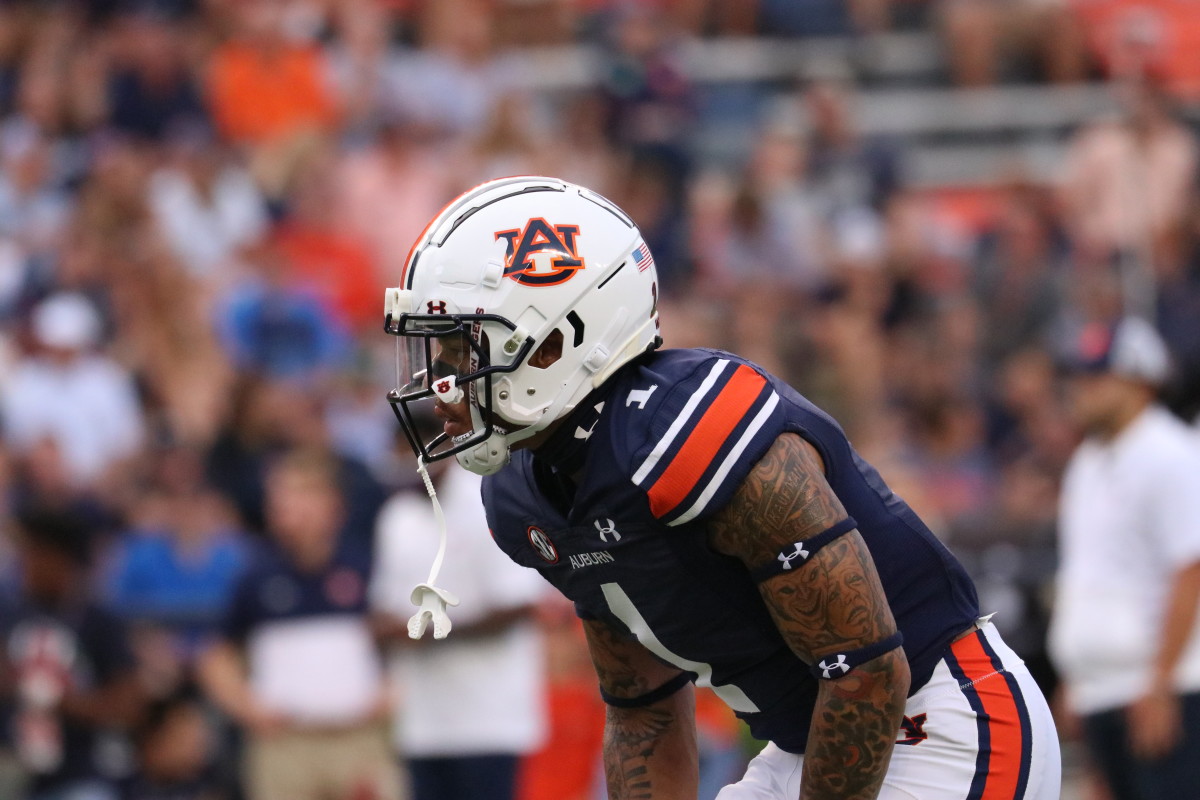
(623, 608)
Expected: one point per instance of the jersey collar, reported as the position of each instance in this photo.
(567, 448)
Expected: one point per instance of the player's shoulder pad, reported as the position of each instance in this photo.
(692, 425)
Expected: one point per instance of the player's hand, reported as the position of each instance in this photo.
(1155, 723)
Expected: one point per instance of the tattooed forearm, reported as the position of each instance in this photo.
(834, 602)
(854, 729)
(649, 751)
(631, 741)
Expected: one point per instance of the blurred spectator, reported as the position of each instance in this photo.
(363, 63)
(268, 91)
(1136, 37)
(580, 152)
(111, 207)
(388, 190)
(174, 570)
(165, 334)
(151, 89)
(1127, 182)
(81, 401)
(296, 665)
(1019, 263)
(361, 425)
(455, 79)
(768, 246)
(1178, 309)
(205, 204)
(67, 680)
(1027, 418)
(1125, 627)
(264, 86)
(1021, 39)
(34, 204)
(175, 748)
(472, 704)
(507, 144)
(949, 456)
(850, 171)
(271, 417)
(805, 18)
(322, 259)
(272, 324)
(651, 102)
(646, 189)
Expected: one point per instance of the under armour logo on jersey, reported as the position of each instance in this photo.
(788, 558)
(607, 528)
(586, 433)
(838, 668)
(540, 254)
(640, 396)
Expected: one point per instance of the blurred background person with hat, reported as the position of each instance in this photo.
(1123, 634)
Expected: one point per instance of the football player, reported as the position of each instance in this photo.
(710, 524)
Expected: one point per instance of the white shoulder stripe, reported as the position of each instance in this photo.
(756, 425)
(661, 448)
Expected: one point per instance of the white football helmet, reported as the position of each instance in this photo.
(506, 267)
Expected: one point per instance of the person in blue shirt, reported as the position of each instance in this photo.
(174, 570)
(710, 524)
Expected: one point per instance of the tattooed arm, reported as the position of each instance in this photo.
(649, 752)
(834, 602)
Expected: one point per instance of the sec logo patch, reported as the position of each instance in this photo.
(541, 542)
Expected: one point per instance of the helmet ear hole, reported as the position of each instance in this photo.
(548, 352)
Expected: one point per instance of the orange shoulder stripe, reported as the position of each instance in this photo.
(693, 458)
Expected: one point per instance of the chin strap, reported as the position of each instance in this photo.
(431, 600)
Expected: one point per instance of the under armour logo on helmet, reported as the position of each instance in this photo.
(435, 308)
(827, 669)
(788, 558)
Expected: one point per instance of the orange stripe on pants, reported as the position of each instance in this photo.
(1003, 717)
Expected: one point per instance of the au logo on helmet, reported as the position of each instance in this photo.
(541, 254)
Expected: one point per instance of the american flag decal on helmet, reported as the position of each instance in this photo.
(642, 257)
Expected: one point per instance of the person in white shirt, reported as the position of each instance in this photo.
(80, 401)
(472, 704)
(295, 663)
(1124, 628)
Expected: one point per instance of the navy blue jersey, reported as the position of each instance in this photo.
(271, 590)
(657, 452)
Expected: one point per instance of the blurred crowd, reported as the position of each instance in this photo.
(202, 200)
